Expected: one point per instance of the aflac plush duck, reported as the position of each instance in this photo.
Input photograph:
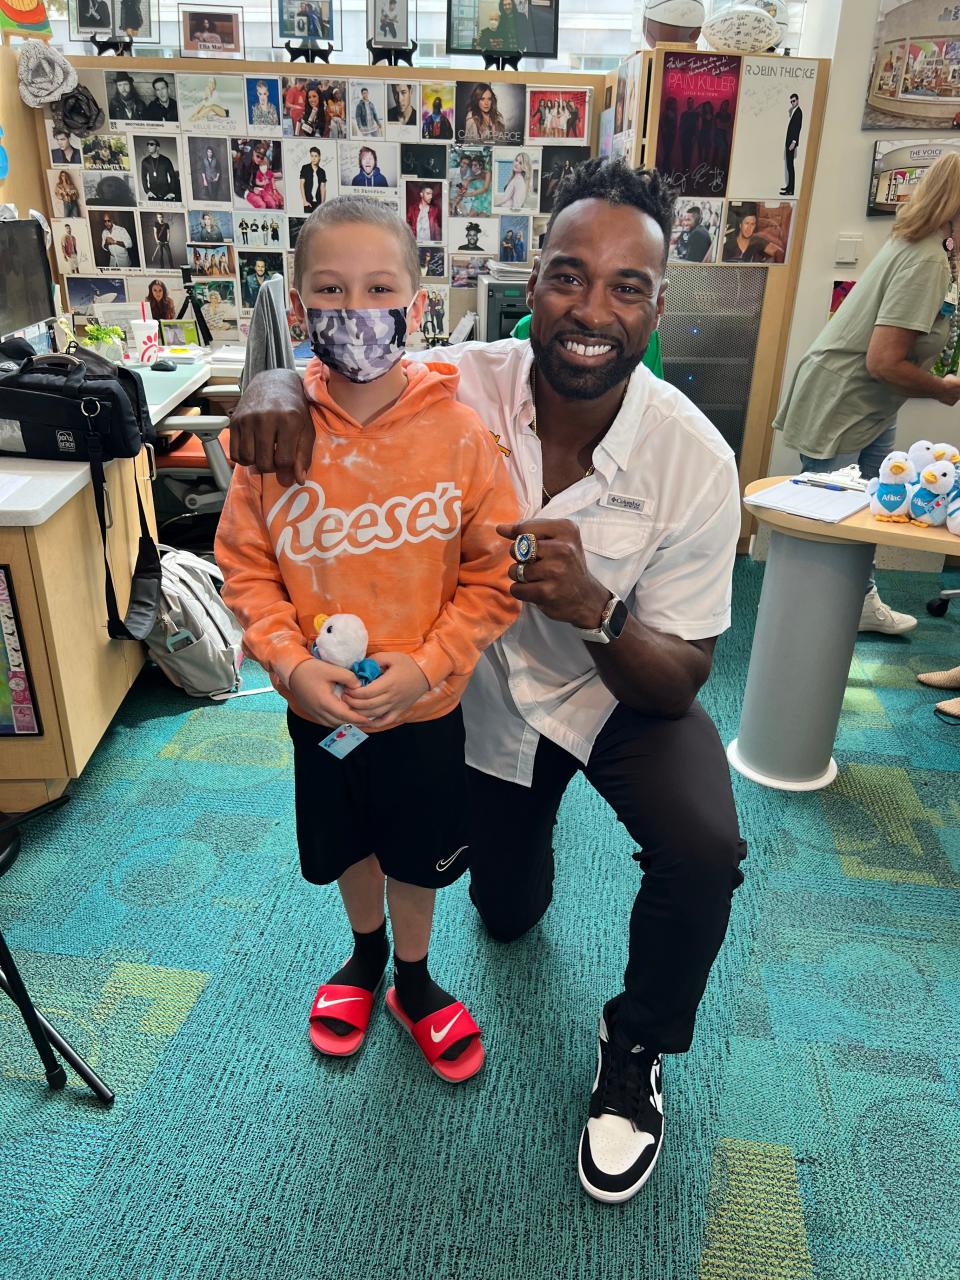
(890, 495)
(953, 511)
(342, 639)
(946, 453)
(928, 502)
(920, 454)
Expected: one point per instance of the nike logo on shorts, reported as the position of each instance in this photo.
(446, 862)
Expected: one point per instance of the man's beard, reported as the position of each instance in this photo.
(581, 384)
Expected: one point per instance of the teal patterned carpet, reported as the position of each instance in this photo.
(161, 924)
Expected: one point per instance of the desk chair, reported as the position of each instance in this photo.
(939, 605)
(193, 473)
(45, 1037)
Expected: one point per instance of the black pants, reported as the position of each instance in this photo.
(669, 784)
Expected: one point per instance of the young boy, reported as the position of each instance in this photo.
(396, 522)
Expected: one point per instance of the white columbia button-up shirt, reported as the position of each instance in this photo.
(659, 521)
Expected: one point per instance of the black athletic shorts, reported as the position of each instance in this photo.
(401, 795)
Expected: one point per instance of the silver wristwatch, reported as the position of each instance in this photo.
(612, 621)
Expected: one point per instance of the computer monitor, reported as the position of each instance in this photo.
(26, 282)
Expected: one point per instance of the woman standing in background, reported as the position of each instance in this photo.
(875, 351)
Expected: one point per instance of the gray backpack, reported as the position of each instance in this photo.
(195, 640)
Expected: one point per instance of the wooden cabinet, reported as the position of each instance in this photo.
(80, 676)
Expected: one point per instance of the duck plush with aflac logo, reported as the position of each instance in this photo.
(928, 502)
(946, 453)
(890, 495)
(342, 639)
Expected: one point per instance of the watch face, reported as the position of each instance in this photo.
(618, 620)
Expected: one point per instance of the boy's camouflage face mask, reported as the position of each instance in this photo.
(362, 345)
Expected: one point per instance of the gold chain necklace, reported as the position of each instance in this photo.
(533, 427)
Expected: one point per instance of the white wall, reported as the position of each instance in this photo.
(843, 30)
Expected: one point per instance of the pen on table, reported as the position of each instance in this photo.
(820, 484)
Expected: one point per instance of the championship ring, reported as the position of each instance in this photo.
(525, 547)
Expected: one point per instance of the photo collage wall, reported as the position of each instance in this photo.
(217, 173)
(731, 139)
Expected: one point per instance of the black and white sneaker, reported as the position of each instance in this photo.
(622, 1139)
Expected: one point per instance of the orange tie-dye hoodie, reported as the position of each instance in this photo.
(396, 523)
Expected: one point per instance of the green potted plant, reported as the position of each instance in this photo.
(106, 340)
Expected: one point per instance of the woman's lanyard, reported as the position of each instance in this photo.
(945, 360)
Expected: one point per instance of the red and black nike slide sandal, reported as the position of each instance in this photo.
(352, 1005)
(438, 1032)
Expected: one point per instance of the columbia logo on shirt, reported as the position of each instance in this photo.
(302, 527)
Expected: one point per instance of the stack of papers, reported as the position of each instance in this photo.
(812, 501)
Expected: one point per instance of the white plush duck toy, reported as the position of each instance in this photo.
(342, 639)
(920, 454)
(890, 495)
(928, 502)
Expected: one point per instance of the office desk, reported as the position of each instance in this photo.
(810, 606)
(50, 541)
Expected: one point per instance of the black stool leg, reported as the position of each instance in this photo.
(12, 984)
(54, 1038)
(41, 1032)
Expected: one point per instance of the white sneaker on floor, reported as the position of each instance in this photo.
(877, 616)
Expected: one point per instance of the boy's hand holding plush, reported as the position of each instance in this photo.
(314, 684)
(392, 693)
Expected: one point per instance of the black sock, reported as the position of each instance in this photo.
(364, 969)
(419, 996)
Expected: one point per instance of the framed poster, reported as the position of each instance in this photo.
(470, 175)
(116, 245)
(210, 104)
(898, 167)
(113, 19)
(915, 76)
(141, 98)
(558, 116)
(266, 230)
(208, 31)
(757, 231)
(514, 238)
(488, 113)
(368, 168)
(257, 165)
(503, 26)
(389, 24)
(556, 164)
(110, 190)
(313, 172)
(71, 240)
(66, 193)
(367, 109)
(263, 103)
(156, 162)
(423, 160)
(698, 105)
(697, 226)
(403, 111)
(18, 700)
(86, 292)
(164, 239)
(313, 21)
(424, 211)
(313, 108)
(773, 116)
(516, 179)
